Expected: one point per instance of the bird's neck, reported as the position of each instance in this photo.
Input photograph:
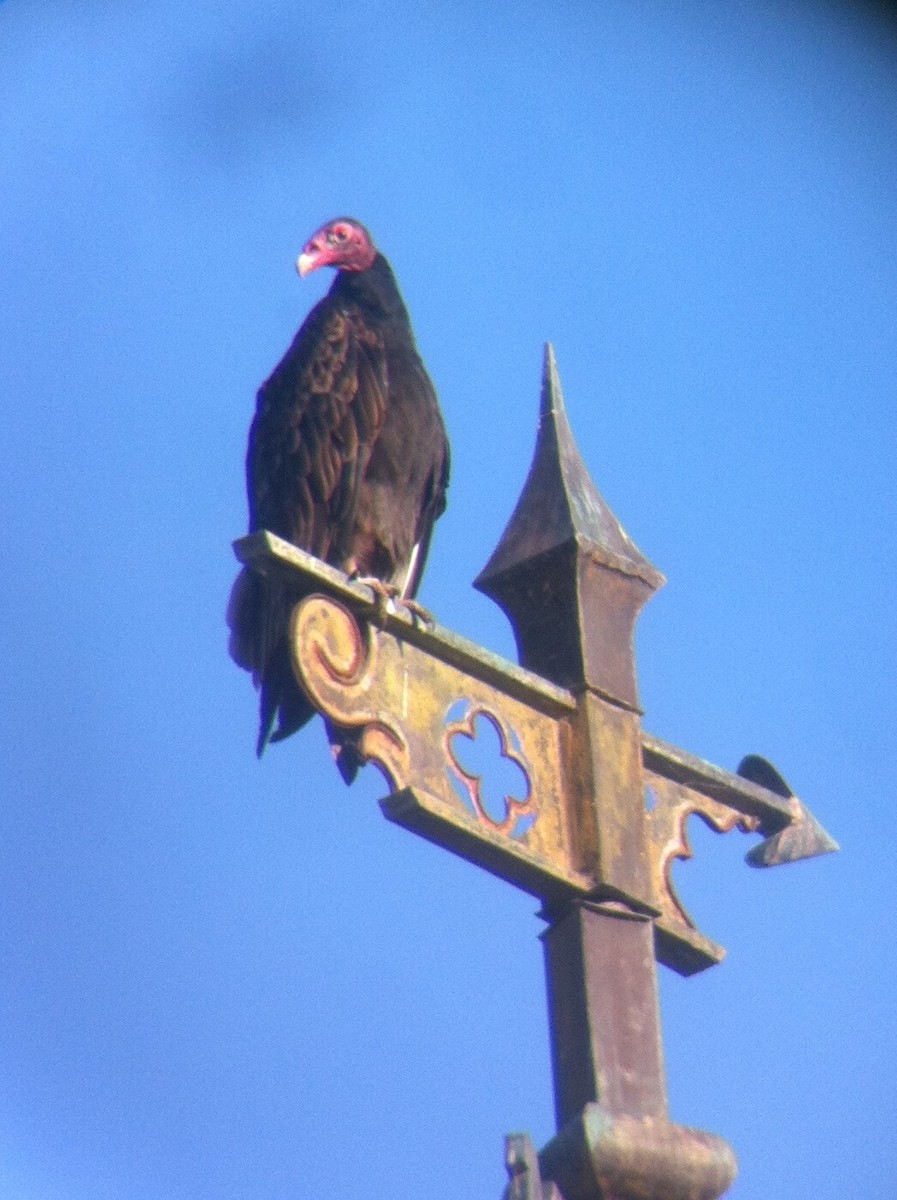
(375, 289)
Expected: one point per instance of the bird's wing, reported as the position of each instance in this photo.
(317, 418)
(432, 507)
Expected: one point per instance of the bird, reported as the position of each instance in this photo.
(347, 458)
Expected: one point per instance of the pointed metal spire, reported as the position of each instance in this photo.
(560, 503)
(566, 573)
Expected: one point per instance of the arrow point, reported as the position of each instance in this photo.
(802, 837)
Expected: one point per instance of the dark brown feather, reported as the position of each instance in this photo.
(348, 459)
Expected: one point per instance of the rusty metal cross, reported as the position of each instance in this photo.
(589, 812)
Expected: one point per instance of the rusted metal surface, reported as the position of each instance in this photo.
(802, 837)
(605, 1027)
(605, 773)
(615, 1156)
(589, 812)
(567, 574)
(265, 552)
(524, 1178)
(756, 800)
(410, 709)
(413, 702)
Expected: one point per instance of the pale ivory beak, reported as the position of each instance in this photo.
(304, 264)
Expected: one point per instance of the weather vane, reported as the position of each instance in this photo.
(590, 812)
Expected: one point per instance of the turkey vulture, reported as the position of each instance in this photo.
(347, 459)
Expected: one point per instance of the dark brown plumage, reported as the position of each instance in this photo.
(347, 459)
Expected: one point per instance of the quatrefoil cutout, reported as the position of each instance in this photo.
(488, 772)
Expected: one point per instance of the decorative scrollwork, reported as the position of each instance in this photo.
(472, 766)
(519, 814)
(669, 804)
(335, 660)
(668, 817)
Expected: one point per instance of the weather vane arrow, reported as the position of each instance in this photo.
(542, 774)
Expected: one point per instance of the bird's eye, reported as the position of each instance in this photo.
(337, 235)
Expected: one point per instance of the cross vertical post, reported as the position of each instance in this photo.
(564, 545)
(602, 993)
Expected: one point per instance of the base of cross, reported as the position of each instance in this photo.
(600, 1156)
(615, 1139)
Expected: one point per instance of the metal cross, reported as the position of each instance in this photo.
(542, 774)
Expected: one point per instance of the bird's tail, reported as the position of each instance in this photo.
(258, 615)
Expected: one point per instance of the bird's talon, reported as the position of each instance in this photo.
(419, 613)
(385, 595)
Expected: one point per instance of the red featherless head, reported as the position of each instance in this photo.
(343, 243)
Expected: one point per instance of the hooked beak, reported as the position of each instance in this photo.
(305, 263)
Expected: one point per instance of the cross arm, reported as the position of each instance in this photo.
(755, 799)
(418, 695)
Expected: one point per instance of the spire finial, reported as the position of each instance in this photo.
(567, 619)
(552, 396)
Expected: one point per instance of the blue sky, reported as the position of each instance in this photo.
(225, 979)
